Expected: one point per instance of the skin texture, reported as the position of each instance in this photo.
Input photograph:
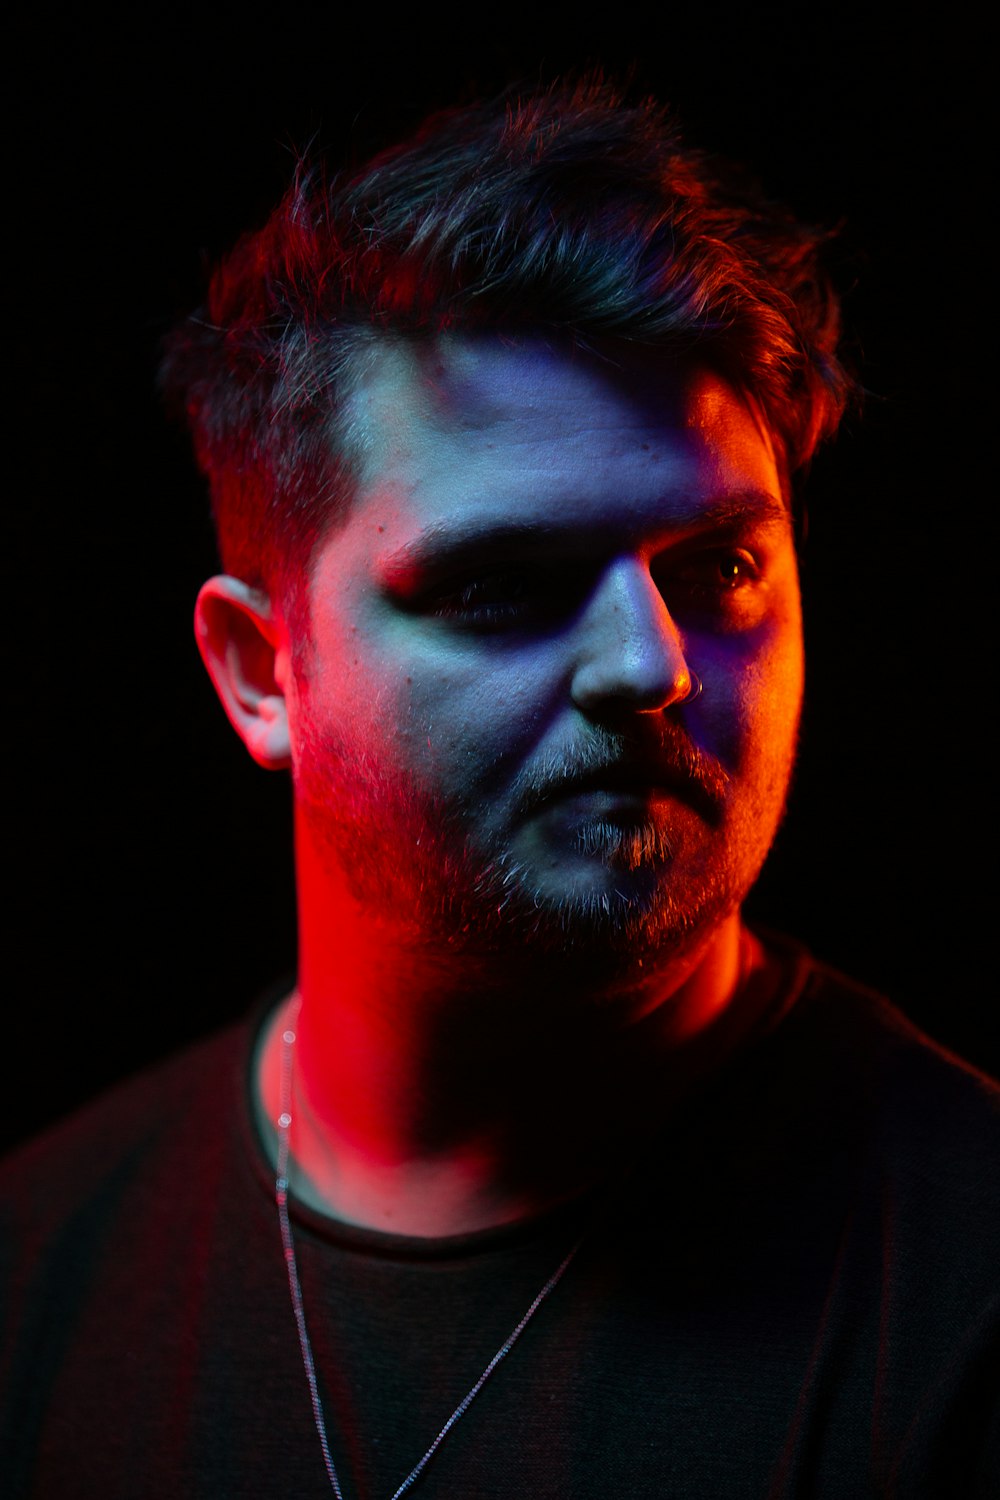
(523, 833)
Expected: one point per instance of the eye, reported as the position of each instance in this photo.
(503, 597)
(516, 596)
(716, 571)
(733, 569)
(718, 588)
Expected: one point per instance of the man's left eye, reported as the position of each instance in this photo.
(720, 571)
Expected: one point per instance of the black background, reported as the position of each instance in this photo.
(149, 859)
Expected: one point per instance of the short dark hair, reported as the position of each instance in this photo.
(571, 210)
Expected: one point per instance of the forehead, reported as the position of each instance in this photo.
(472, 428)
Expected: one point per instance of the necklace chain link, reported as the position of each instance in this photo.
(295, 1288)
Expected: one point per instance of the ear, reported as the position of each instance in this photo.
(244, 650)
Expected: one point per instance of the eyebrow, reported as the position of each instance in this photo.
(449, 544)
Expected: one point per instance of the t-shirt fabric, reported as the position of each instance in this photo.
(791, 1293)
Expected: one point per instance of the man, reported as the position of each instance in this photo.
(549, 1178)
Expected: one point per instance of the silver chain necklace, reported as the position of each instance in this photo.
(281, 1198)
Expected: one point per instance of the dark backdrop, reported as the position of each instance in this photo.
(150, 860)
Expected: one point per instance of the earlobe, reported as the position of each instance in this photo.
(241, 643)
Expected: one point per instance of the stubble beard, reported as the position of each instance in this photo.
(436, 873)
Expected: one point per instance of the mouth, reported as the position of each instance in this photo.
(619, 780)
(632, 792)
(625, 821)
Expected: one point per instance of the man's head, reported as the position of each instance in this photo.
(504, 427)
(569, 211)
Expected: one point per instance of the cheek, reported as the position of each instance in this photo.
(479, 716)
(774, 702)
(753, 698)
(349, 707)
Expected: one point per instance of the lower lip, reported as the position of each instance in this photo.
(603, 801)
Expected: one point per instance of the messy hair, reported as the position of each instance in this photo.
(571, 211)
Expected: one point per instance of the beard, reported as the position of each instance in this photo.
(620, 889)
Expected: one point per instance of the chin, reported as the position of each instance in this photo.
(619, 912)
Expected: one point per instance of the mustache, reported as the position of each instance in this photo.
(665, 758)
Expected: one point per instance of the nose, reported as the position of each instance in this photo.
(631, 656)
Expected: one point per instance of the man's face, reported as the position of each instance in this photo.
(493, 729)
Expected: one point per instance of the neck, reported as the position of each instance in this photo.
(436, 1094)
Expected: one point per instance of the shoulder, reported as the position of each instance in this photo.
(906, 1070)
(920, 1124)
(867, 1034)
(111, 1150)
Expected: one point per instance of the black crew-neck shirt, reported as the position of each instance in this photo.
(793, 1292)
